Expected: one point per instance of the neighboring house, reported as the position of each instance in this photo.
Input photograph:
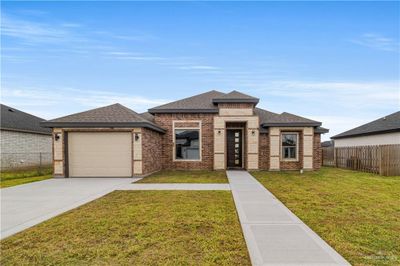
(328, 143)
(383, 131)
(213, 130)
(24, 142)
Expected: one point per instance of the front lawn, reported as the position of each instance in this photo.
(195, 176)
(357, 213)
(136, 228)
(18, 177)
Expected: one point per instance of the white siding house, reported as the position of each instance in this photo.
(383, 131)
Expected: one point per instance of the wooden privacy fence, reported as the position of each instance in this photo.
(379, 159)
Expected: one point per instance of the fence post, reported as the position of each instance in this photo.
(40, 163)
(335, 156)
(380, 160)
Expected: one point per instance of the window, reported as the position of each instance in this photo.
(289, 146)
(187, 144)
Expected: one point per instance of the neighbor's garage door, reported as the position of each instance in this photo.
(100, 154)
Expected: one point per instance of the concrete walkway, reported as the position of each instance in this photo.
(274, 235)
(174, 186)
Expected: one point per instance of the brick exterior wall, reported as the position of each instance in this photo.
(151, 151)
(207, 136)
(20, 149)
(317, 158)
(263, 159)
(297, 165)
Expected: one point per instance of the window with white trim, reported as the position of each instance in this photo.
(289, 146)
(187, 144)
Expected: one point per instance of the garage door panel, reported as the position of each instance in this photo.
(100, 154)
(105, 172)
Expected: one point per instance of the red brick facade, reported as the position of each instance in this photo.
(151, 151)
(207, 137)
(317, 159)
(207, 141)
(263, 159)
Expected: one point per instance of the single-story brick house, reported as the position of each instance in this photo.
(23, 142)
(212, 130)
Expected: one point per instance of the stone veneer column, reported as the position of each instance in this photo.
(137, 151)
(274, 140)
(252, 143)
(308, 148)
(58, 152)
(219, 143)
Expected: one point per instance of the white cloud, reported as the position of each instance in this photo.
(377, 41)
(31, 31)
(51, 103)
(199, 67)
(71, 25)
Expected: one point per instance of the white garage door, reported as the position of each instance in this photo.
(100, 154)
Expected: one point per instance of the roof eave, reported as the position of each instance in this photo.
(183, 111)
(26, 131)
(102, 124)
(321, 130)
(366, 133)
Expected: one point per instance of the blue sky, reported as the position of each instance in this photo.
(335, 62)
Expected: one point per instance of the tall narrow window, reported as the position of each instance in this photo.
(289, 146)
(187, 144)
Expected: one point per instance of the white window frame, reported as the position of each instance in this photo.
(174, 159)
(297, 147)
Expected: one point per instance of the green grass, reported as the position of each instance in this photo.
(195, 176)
(18, 177)
(136, 228)
(356, 213)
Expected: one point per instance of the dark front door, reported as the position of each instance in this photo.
(234, 148)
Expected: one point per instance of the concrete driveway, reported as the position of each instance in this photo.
(26, 205)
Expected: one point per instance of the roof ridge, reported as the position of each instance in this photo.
(131, 111)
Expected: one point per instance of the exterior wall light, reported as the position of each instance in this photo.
(136, 136)
(57, 136)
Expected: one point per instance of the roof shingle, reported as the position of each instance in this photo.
(115, 115)
(198, 103)
(235, 96)
(16, 120)
(268, 118)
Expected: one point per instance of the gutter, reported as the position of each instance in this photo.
(102, 125)
(292, 124)
(219, 100)
(183, 111)
(26, 131)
